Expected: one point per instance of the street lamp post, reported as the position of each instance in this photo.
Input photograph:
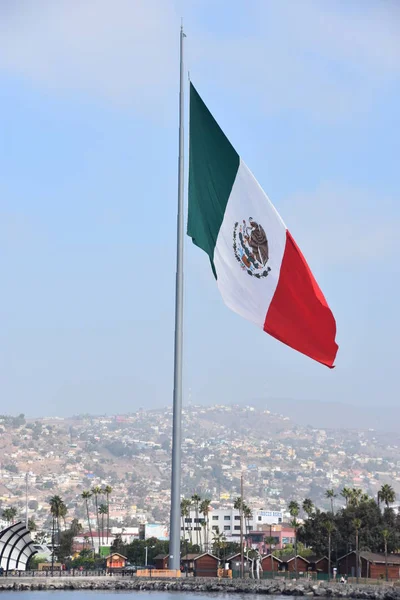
(146, 549)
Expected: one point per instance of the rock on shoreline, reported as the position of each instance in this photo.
(247, 586)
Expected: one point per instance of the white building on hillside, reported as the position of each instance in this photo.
(226, 521)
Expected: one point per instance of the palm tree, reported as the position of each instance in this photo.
(357, 526)
(219, 541)
(330, 494)
(9, 515)
(196, 500)
(385, 535)
(56, 508)
(330, 527)
(247, 515)
(294, 508)
(346, 493)
(183, 515)
(108, 490)
(103, 509)
(13, 513)
(204, 509)
(295, 524)
(241, 507)
(96, 491)
(386, 494)
(355, 496)
(202, 534)
(308, 507)
(63, 514)
(188, 502)
(269, 540)
(86, 495)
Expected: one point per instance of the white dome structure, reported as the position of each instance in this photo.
(16, 547)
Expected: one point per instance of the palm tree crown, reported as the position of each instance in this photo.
(355, 496)
(387, 494)
(330, 494)
(294, 508)
(346, 493)
(308, 507)
(9, 514)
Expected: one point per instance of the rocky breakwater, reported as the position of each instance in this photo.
(247, 586)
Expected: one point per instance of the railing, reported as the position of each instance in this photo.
(156, 573)
(68, 573)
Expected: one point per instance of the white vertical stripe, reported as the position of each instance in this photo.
(245, 294)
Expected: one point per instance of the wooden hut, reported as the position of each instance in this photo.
(116, 561)
(201, 565)
(235, 560)
(161, 561)
(289, 564)
(372, 565)
(271, 563)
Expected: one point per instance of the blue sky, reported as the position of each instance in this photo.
(308, 94)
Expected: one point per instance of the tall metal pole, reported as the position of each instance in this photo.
(241, 528)
(26, 500)
(175, 518)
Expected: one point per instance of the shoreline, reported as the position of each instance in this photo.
(206, 585)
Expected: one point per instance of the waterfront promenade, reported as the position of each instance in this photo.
(377, 591)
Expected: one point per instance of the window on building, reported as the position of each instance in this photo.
(188, 520)
(215, 517)
(279, 520)
(227, 527)
(227, 518)
(250, 527)
(215, 528)
(260, 518)
(237, 517)
(237, 528)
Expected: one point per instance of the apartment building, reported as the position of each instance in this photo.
(226, 521)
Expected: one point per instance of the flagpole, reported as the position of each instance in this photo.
(175, 517)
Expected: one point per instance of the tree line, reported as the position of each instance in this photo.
(363, 524)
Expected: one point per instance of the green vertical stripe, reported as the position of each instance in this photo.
(213, 164)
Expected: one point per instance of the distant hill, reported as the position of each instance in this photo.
(333, 414)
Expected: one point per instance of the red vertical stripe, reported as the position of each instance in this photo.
(299, 315)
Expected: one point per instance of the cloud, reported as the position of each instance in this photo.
(339, 225)
(318, 58)
(323, 59)
(124, 51)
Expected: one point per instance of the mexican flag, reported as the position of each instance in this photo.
(260, 271)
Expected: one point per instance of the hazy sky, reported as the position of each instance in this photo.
(308, 93)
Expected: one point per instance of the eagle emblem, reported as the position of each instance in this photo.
(250, 246)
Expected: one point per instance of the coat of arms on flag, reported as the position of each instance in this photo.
(250, 246)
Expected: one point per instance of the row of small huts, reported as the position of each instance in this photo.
(206, 564)
(372, 565)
